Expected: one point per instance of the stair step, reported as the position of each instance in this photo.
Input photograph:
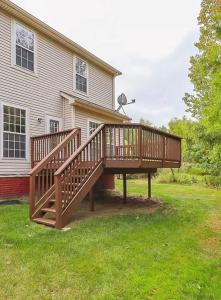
(52, 200)
(49, 209)
(48, 222)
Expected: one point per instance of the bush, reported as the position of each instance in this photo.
(213, 181)
(137, 176)
(165, 178)
(189, 168)
(180, 178)
(184, 178)
(188, 174)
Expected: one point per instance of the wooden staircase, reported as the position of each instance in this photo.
(47, 213)
(70, 179)
(69, 170)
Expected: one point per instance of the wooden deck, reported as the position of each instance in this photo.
(65, 170)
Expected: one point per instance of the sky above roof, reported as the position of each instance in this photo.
(149, 41)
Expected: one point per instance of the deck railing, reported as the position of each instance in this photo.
(41, 145)
(122, 142)
(139, 142)
(70, 170)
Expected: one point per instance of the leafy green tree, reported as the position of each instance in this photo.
(206, 63)
(145, 122)
(185, 128)
(205, 102)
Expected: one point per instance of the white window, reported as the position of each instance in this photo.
(54, 124)
(81, 75)
(14, 132)
(24, 47)
(92, 126)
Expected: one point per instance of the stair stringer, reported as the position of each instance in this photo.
(70, 210)
(43, 203)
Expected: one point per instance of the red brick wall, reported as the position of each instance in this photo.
(106, 182)
(13, 187)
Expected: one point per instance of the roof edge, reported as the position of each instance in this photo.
(32, 21)
(85, 104)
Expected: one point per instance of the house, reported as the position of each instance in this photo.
(48, 83)
(58, 127)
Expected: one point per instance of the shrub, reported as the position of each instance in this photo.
(213, 181)
(137, 176)
(180, 178)
(165, 178)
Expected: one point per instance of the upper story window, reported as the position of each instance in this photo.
(24, 47)
(81, 69)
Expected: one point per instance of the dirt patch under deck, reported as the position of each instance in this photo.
(113, 205)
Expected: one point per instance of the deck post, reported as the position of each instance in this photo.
(32, 196)
(164, 149)
(125, 188)
(104, 144)
(32, 153)
(91, 200)
(149, 185)
(58, 202)
(140, 154)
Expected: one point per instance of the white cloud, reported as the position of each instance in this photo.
(134, 36)
(159, 93)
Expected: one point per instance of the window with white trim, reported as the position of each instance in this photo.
(24, 47)
(14, 132)
(81, 69)
(92, 127)
(53, 126)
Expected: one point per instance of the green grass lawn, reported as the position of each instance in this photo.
(174, 253)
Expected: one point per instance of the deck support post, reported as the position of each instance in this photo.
(91, 200)
(149, 185)
(125, 188)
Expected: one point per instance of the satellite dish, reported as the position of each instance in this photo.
(122, 99)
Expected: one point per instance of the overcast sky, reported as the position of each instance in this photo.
(149, 41)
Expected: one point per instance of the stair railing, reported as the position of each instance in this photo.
(74, 173)
(42, 175)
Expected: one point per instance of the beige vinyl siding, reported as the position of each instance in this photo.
(82, 117)
(41, 94)
(104, 94)
(68, 115)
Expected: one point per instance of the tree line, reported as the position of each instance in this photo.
(201, 132)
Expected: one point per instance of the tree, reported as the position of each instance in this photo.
(206, 63)
(205, 73)
(145, 122)
(185, 128)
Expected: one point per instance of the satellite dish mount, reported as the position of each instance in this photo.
(122, 101)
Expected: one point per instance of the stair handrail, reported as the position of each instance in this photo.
(52, 134)
(78, 151)
(74, 173)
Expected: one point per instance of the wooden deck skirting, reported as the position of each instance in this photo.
(65, 170)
